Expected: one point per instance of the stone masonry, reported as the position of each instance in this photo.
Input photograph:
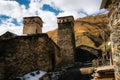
(32, 25)
(114, 23)
(66, 38)
(20, 55)
(23, 54)
(115, 37)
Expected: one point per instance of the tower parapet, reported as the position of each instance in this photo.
(32, 25)
(66, 38)
(65, 19)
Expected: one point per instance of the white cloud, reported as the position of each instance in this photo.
(17, 11)
(77, 8)
(11, 8)
(49, 19)
(90, 6)
(74, 13)
(13, 29)
(7, 25)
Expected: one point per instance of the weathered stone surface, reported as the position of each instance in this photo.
(65, 19)
(115, 36)
(32, 25)
(24, 54)
(66, 38)
(114, 23)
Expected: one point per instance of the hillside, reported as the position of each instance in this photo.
(89, 31)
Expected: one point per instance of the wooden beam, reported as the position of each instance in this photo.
(105, 4)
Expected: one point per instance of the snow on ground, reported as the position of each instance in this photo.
(35, 75)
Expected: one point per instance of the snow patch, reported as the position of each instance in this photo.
(35, 75)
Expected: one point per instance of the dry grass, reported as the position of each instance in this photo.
(93, 26)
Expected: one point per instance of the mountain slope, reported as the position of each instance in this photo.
(92, 31)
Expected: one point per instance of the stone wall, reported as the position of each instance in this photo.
(32, 25)
(66, 38)
(23, 54)
(115, 36)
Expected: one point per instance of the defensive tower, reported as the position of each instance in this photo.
(66, 38)
(32, 25)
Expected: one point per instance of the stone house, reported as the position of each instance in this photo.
(22, 54)
(114, 23)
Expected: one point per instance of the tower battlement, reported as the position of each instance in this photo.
(65, 19)
(31, 20)
(32, 25)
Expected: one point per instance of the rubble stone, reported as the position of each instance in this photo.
(115, 37)
(23, 54)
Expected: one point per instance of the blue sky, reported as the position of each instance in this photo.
(24, 2)
(47, 7)
(13, 11)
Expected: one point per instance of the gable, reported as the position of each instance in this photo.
(7, 35)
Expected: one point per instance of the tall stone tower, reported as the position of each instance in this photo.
(66, 38)
(32, 25)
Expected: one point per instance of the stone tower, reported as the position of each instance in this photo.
(32, 25)
(66, 38)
